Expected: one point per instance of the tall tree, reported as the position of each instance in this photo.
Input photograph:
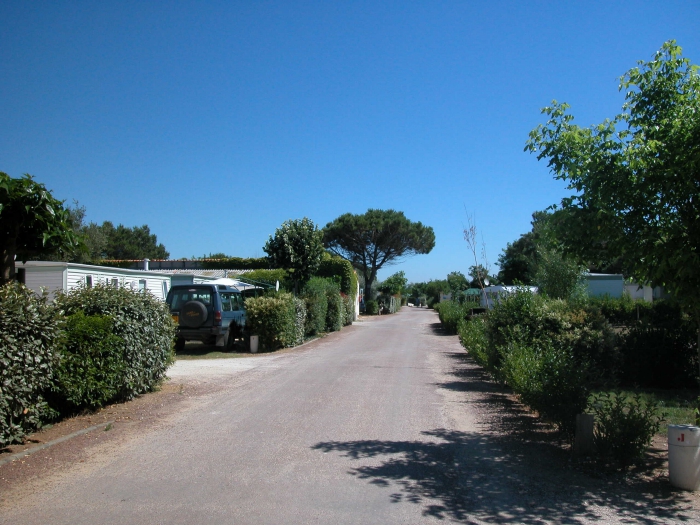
(636, 177)
(394, 284)
(125, 243)
(457, 282)
(376, 238)
(32, 222)
(297, 246)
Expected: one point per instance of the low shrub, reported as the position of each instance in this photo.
(624, 426)
(299, 321)
(269, 277)
(141, 321)
(371, 307)
(314, 295)
(452, 314)
(550, 380)
(274, 319)
(30, 329)
(335, 312)
(90, 367)
(349, 310)
(472, 335)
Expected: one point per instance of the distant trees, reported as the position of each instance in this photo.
(297, 245)
(394, 284)
(375, 239)
(32, 223)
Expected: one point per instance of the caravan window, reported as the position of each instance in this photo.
(88, 281)
(142, 285)
(115, 282)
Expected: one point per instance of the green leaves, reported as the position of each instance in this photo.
(636, 177)
(297, 246)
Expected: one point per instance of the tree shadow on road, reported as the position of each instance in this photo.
(513, 471)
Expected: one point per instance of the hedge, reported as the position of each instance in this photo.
(274, 319)
(141, 321)
(30, 329)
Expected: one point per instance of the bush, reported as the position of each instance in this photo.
(371, 307)
(550, 380)
(337, 267)
(91, 365)
(335, 312)
(452, 314)
(141, 321)
(29, 332)
(472, 335)
(624, 426)
(314, 295)
(299, 321)
(269, 277)
(274, 319)
(349, 304)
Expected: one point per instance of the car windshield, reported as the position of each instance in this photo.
(181, 296)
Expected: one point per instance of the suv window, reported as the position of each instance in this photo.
(231, 302)
(180, 297)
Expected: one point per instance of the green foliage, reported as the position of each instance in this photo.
(235, 263)
(625, 426)
(335, 313)
(558, 277)
(371, 307)
(29, 333)
(452, 314)
(549, 379)
(137, 242)
(32, 223)
(334, 266)
(91, 367)
(518, 262)
(269, 277)
(480, 275)
(298, 247)
(349, 309)
(274, 319)
(376, 238)
(394, 284)
(472, 335)
(314, 295)
(141, 321)
(432, 290)
(635, 177)
(299, 321)
(456, 283)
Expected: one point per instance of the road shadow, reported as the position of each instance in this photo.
(473, 478)
(437, 329)
(513, 471)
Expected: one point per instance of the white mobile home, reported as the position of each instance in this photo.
(65, 276)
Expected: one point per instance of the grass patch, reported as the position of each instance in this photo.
(196, 350)
(678, 406)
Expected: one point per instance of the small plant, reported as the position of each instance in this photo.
(371, 307)
(625, 426)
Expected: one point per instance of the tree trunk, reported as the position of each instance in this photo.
(8, 263)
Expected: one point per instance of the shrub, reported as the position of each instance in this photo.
(91, 365)
(299, 321)
(472, 335)
(141, 321)
(349, 304)
(269, 277)
(452, 314)
(29, 331)
(371, 307)
(550, 380)
(624, 426)
(273, 319)
(335, 266)
(314, 295)
(335, 312)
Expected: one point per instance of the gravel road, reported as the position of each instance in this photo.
(386, 422)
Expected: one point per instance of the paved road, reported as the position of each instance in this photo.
(383, 423)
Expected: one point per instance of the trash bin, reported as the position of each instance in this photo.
(253, 344)
(684, 456)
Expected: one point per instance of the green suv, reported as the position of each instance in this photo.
(211, 313)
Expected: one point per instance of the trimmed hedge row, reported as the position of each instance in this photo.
(89, 348)
(30, 331)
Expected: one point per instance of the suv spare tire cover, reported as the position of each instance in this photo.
(193, 314)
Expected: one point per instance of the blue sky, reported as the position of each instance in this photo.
(215, 122)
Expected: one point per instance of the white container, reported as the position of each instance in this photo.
(684, 456)
(254, 344)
